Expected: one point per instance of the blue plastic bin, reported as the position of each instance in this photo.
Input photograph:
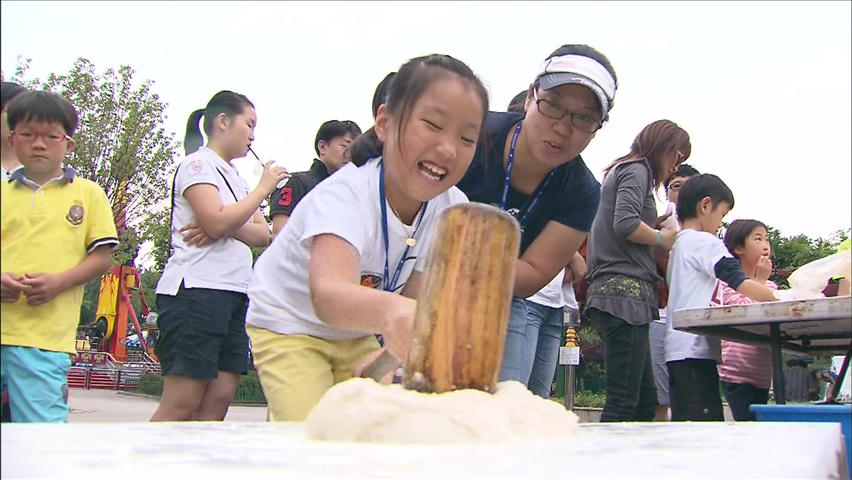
(841, 414)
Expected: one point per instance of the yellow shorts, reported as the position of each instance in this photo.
(296, 370)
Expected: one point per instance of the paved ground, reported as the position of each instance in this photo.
(110, 406)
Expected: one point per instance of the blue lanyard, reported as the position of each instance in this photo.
(521, 216)
(391, 287)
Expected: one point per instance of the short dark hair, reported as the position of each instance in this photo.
(8, 91)
(227, 102)
(380, 96)
(738, 232)
(517, 103)
(683, 170)
(42, 106)
(698, 187)
(408, 85)
(333, 129)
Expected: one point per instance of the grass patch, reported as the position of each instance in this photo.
(249, 391)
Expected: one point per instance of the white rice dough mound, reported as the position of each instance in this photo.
(362, 410)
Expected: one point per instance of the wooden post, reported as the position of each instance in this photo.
(463, 310)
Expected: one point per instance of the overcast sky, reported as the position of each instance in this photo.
(762, 88)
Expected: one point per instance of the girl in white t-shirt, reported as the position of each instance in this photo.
(332, 277)
(201, 296)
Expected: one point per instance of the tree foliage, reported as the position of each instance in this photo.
(121, 142)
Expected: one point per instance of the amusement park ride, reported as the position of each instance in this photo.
(105, 341)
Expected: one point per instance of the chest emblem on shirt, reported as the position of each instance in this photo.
(75, 213)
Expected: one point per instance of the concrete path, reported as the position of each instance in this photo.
(90, 406)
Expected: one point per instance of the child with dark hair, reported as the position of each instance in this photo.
(50, 249)
(201, 296)
(347, 265)
(8, 91)
(621, 298)
(746, 370)
(332, 140)
(530, 166)
(517, 103)
(657, 330)
(698, 261)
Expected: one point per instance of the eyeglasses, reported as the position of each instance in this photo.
(30, 137)
(555, 111)
(674, 186)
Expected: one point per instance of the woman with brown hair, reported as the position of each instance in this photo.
(621, 298)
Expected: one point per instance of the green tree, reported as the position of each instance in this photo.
(790, 253)
(121, 142)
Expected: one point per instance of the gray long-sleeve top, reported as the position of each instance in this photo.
(626, 199)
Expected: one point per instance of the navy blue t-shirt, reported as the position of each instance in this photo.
(571, 197)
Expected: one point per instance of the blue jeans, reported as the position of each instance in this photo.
(515, 358)
(544, 335)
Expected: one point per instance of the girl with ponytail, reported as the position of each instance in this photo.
(201, 296)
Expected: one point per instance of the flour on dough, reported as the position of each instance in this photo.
(361, 410)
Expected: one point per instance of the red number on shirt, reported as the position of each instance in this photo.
(286, 197)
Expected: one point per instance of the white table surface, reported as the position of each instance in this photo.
(825, 323)
(252, 450)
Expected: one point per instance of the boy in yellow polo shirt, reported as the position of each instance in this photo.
(56, 234)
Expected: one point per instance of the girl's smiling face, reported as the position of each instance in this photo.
(430, 150)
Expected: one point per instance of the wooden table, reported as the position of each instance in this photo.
(280, 450)
(819, 326)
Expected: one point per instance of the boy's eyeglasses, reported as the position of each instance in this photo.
(673, 187)
(555, 111)
(30, 137)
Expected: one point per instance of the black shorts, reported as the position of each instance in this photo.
(202, 331)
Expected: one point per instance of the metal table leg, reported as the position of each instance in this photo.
(777, 367)
(835, 390)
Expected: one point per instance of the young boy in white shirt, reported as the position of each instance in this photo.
(697, 262)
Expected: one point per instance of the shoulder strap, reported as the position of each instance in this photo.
(172, 210)
(228, 184)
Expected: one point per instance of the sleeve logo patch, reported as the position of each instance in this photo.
(370, 280)
(196, 166)
(286, 197)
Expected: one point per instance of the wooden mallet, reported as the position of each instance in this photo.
(463, 310)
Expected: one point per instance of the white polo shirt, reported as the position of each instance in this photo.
(222, 265)
(346, 205)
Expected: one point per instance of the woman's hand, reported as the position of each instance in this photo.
(195, 236)
(667, 238)
(271, 176)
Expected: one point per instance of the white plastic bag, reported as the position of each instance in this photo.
(809, 280)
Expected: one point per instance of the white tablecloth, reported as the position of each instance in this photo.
(251, 450)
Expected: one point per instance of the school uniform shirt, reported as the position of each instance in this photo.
(222, 265)
(49, 228)
(697, 262)
(283, 200)
(346, 205)
(571, 198)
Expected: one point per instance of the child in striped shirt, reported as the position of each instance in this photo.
(746, 370)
